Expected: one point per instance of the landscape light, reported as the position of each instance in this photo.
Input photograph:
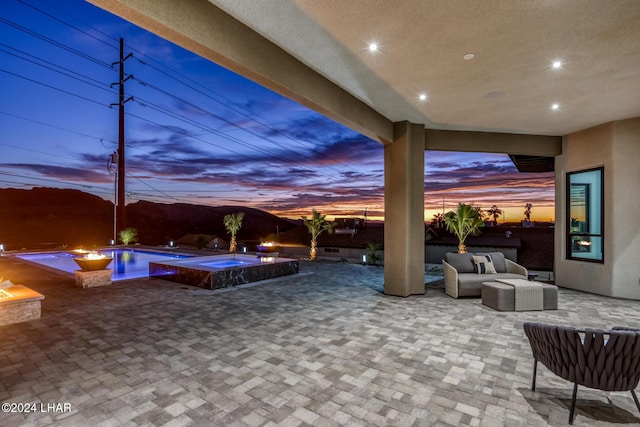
(364, 260)
(1, 247)
(112, 242)
(170, 243)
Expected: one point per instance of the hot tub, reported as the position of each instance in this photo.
(222, 271)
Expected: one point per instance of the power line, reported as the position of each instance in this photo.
(55, 18)
(50, 180)
(53, 42)
(234, 107)
(71, 74)
(216, 116)
(52, 87)
(225, 136)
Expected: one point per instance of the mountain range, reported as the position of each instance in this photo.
(43, 218)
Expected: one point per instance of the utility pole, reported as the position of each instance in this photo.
(121, 222)
(113, 160)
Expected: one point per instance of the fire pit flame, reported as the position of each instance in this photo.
(92, 261)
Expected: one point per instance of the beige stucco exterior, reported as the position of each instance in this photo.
(616, 147)
(404, 211)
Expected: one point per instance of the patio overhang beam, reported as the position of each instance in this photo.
(202, 28)
(493, 142)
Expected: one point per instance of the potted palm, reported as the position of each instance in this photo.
(372, 254)
(316, 225)
(233, 223)
(465, 222)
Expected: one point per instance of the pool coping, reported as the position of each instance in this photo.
(213, 278)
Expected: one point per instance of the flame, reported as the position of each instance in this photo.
(94, 255)
(268, 244)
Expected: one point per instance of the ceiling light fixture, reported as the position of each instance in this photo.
(469, 56)
(556, 64)
(423, 97)
(373, 47)
(555, 106)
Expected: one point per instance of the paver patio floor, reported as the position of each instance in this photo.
(322, 348)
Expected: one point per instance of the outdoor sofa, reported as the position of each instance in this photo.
(461, 277)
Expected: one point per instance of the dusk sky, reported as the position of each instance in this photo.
(198, 133)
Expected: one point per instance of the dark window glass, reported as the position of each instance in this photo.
(585, 215)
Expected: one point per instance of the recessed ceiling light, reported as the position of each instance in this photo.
(557, 64)
(555, 106)
(423, 97)
(373, 47)
(469, 56)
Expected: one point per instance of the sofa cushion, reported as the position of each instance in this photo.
(483, 264)
(498, 261)
(463, 263)
(470, 284)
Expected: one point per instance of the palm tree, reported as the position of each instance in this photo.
(438, 220)
(233, 223)
(527, 211)
(128, 235)
(316, 225)
(463, 223)
(495, 213)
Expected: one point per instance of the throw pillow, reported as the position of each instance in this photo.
(484, 264)
(498, 260)
(463, 263)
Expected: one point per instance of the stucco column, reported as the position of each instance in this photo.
(404, 211)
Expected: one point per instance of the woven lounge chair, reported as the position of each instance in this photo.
(603, 360)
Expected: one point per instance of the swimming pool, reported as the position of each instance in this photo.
(126, 264)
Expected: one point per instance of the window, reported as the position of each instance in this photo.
(585, 215)
(331, 250)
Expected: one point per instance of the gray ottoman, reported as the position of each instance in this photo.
(501, 296)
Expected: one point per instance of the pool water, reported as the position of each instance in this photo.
(224, 264)
(126, 264)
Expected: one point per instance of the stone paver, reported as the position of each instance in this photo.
(322, 348)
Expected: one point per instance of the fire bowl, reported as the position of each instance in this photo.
(93, 264)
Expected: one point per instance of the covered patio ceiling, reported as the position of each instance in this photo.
(509, 86)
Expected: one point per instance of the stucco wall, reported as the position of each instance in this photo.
(625, 211)
(615, 146)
